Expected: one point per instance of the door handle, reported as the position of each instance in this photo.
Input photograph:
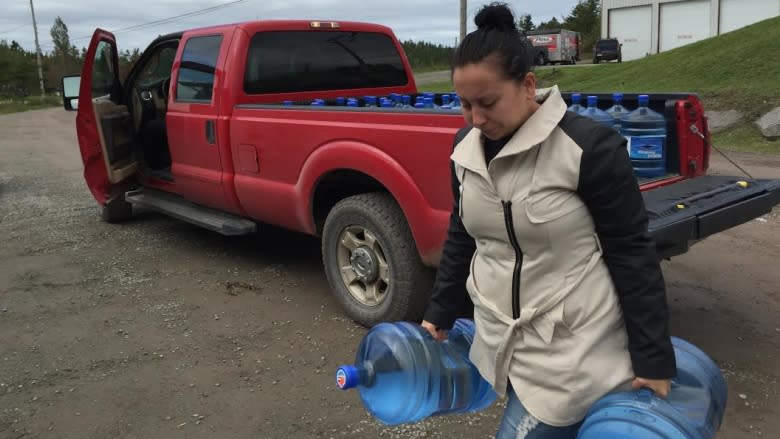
(210, 132)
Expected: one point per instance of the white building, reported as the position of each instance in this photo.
(651, 26)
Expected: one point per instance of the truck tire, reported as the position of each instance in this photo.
(371, 261)
(116, 210)
(540, 60)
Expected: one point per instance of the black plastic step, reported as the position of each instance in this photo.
(177, 207)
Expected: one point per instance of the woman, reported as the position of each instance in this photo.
(548, 239)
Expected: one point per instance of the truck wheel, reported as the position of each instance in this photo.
(540, 60)
(116, 210)
(371, 261)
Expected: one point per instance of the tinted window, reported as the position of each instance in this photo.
(103, 75)
(280, 62)
(158, 66)
(196, 73)
(608, 45)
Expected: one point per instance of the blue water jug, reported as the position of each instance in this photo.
(575, 106)
(645, 131)
(404, 375)
(693, 410)
(617, 110)
(597, 114)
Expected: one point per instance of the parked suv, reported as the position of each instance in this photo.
(607, 49)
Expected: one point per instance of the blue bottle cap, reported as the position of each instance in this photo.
(419, 105)
(340, 100)
(406, 99)
(287, 102)
(644, 100)
(617, 96)
(575, 98)
(592, 101)
(347, 377)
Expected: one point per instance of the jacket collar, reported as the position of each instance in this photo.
(469, 153)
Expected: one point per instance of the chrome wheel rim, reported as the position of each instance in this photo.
(363, 265)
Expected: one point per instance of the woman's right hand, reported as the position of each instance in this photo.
(436, 333)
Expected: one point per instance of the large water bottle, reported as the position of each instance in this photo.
(645, 131)
(575, 106)
(693, 410)
(597, 114)
(617, 110)
(404, 375)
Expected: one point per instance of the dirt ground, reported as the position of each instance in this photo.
(158, 329)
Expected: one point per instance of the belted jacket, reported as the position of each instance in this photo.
(549, 242)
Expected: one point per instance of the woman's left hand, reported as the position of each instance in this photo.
(660, 387)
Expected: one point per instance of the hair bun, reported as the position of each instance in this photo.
(496, 16)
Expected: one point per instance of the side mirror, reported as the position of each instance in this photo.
(70, 92)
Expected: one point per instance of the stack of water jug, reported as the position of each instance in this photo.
(643, 128)
(427, 100)
(403, 375)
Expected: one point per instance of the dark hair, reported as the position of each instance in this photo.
(496, 36)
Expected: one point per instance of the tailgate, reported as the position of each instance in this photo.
(682, 213)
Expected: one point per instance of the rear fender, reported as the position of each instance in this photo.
(428, 225)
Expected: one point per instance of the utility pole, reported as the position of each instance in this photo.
(38, 51)
(462, 19)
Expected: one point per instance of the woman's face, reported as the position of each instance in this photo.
(492, 103)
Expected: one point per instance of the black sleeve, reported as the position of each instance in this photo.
(449, 298)
(610, 190)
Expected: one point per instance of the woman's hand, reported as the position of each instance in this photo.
(436, 333)
(660, 387)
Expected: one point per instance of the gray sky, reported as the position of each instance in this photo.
(434, 21)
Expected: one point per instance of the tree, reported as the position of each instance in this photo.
(552, 24)
(585, 18)
(18, 73)
(64, 59)
(526, 24)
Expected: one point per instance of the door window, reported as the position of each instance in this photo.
(196, 73)
(103, 74)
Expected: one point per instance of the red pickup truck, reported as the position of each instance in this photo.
(214, 126)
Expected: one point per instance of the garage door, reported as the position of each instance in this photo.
(633, 28)
(683, 23)
(735, 14)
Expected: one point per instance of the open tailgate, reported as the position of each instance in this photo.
(685, 212)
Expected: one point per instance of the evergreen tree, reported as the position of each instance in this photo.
(526, 24)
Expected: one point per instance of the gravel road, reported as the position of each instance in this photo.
(154, 328)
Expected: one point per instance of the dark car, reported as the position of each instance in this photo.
(607, 49)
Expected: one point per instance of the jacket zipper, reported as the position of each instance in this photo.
(462, 187)
(507, 205)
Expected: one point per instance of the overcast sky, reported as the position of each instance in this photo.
(435, 21)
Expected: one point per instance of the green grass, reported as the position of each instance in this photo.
(745, 138)
(15, 105)
(739, 71)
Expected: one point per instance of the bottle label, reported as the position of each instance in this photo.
(646, 147)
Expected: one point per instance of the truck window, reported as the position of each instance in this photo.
(196, 72)
(103, 76)
(159, 65)
(296, 61)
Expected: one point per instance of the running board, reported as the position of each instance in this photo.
(177, 207)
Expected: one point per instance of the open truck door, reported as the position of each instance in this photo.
(103, 124)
